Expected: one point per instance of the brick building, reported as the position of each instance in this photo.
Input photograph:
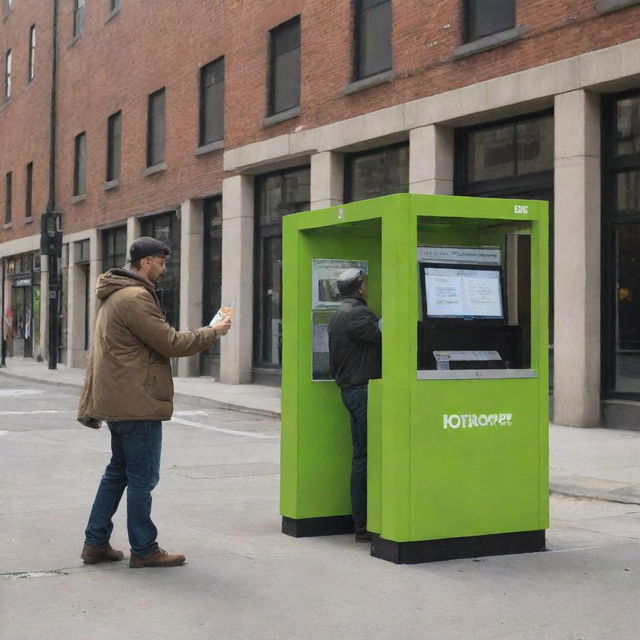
(203, 123)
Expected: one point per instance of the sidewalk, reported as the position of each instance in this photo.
(602, 464)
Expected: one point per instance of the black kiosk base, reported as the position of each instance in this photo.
(326, 526)
(495, 544)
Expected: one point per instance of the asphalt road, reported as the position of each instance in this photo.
(217, 502)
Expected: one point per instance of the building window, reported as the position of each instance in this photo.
(503, 155)
(32, 52)
(28, 205)
(277, 194)
(284, 85)
(155, 129)
(114, 248)
(80, 164)
(8, 201)
(621, 229)
(212, 102)
(114, 135)
(372, 38)
(484, 17)
(212, 279)
(78, 16)
(166, 227)
(114, 5)
(379, 172)
(7, 74)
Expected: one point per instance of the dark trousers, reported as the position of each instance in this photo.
(355, 400)
(134, 466)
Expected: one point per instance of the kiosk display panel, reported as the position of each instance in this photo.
(462, 291)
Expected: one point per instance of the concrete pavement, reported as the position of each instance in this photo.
(601, 464)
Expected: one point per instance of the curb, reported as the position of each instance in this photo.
(184, 397)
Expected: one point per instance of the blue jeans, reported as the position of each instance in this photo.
(355, 400)
(135, 464)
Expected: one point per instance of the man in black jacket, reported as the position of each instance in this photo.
(355, 355)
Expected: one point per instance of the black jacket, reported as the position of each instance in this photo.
(355, 344)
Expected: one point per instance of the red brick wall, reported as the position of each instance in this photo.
(24, 118)
(114, 66)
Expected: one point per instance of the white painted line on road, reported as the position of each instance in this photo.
(19, 392)
(4, 433)
(30, 413)
(190, 412)
(232, 432)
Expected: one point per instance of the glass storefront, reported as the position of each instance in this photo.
(22, 306)
(277, 194)
(211, 279)
(621, 259)
(114, 248)
(166, 227)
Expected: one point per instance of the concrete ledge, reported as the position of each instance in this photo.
(208, 148)
(607, 6)
(277, 118)
(111, 184)
(79, 198)
(489, 42)
(368, 83)
(156, 168)
(112, 15)
(28, 220)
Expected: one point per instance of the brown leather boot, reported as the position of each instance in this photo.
(92, 554)
(159, 558)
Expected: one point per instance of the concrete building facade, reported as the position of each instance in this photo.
(205, 123)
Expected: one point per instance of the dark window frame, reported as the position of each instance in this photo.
(80, 164)
(31, 73)
(514, 183)
(153, 129)
(8, 198)
(274, 33)
(471, 31)
(348, 168)
(114, 146)
(114, 5)
(206, 105)
(110, 254)
(611, 219)
(264, 231)
(359, 41)
(28, 205)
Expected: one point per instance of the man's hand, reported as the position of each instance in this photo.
(222, 327)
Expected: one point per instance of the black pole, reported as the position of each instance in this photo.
(53, 300)
(53, 311)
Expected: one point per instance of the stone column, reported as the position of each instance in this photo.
(431, 160)
(95, 269)
(133, 232)
(577, 270)
(327, 179)
(191, 257)
(75, 310)
(236, 349)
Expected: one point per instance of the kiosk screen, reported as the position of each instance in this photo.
(465, 292)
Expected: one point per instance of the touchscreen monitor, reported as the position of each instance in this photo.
(462, 291)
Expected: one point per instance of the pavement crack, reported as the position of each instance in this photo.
(18, 575)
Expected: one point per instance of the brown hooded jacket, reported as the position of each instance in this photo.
(128, 375)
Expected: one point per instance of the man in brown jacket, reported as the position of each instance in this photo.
(128, 385)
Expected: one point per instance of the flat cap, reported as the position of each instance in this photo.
(348, 278)
(146, 246)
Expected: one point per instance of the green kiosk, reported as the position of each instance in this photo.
(458, 423)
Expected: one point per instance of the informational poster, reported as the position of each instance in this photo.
(325, 301)
(455, 293)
